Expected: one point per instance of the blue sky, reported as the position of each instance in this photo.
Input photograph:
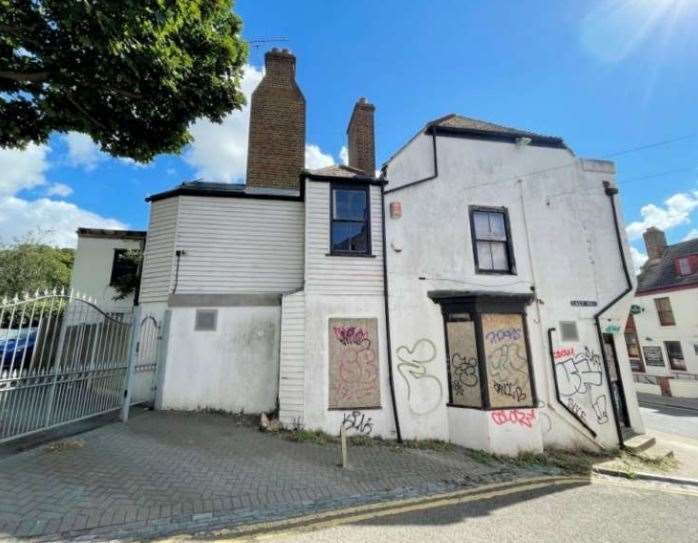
(607, 76)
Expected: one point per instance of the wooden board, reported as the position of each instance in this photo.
(463, 364)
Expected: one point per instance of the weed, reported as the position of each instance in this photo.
(65, 445)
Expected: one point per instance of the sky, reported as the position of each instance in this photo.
(616, 79)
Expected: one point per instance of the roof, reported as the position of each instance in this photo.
(113, 234)
(230, 190)
(662, 274)
(339, 171)
(460, 125)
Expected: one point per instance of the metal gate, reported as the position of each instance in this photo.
(62, 359)
(143, 382)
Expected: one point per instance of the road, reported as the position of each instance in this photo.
(670, 420)
(603, 511)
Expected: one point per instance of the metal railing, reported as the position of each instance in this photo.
(62, 359)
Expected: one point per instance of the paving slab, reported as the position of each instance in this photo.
(165, 472)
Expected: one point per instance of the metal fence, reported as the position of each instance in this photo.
(62, 359)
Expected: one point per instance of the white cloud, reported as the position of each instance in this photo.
(315, 158)
(59, 189)
(219, 150)
(344, 155)
(691, 235)
(639, 258)
(22, 169)
(82, 151)
(60, 219)
(676, 211)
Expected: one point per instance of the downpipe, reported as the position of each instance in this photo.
(611, 191)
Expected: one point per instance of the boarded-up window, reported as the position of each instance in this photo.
(506, 358)
(353, 357)
(464, 370)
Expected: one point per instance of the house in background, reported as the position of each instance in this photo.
(662, 331)
(475, 292)
(100, 261)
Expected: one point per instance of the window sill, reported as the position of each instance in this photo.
(495, 272)
(354, 255)
(371, 408)
(485, 409)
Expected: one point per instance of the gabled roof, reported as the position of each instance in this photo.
(662, 273)
(230, 190)
(339, 172)
(460, 125)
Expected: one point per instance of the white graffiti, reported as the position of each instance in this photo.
(424, 391)
(576, 375)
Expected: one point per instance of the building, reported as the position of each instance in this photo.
(475, 291)
(101, 260)
(662, 330)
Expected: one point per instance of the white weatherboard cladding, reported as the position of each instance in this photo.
(159, 251)
(233, 368)
(565, 246)
(236, 245)
(292, 362)
(339, 275)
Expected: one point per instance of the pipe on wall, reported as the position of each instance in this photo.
(611, 191)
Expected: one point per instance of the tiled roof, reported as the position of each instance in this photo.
(340, 171)
(466, 123)
(662, 273)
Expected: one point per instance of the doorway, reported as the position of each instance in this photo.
(614, 382)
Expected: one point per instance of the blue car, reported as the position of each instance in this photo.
(22, 344)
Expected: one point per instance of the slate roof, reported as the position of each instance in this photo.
(662, 273)
(339, 171)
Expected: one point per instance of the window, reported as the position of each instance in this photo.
(666, 315)
(488, 361)
(205, 320)
(568, 331)
(125, 264)
(684, 265)
(350, 230)
(491, 240)
(675, 355)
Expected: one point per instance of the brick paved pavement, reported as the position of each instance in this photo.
(165, 472)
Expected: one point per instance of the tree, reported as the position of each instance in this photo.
(30, 265)
(127, 283)
(133, 74)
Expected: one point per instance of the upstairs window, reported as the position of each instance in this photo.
(675, 355)
(491, 240)
(350, 230)
(124, 266)
(666, 315)
(684, 266)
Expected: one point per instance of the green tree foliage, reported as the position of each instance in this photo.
(30, 265)
(133, 74)
(127, 283)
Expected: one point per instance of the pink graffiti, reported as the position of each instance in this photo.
(522, 417)
(563, 352)
(350, 334)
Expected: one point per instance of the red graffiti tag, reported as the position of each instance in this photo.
(522, 417)
(563, 352)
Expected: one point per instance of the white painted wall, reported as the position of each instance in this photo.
(292, 360)
(91, 272)
(684, 303)
(234, 368)
(565, 247)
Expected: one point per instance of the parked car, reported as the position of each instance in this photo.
(17, 344)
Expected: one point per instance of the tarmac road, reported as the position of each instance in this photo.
(604, 511)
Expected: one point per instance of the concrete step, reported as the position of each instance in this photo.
(638, 443)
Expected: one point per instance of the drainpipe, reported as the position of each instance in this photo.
(391, 378)
(611, 192)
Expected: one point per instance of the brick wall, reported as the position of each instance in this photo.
(361, 140)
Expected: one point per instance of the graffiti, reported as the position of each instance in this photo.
(563, 352)
(512, 334)
(577, 409)
(424, 391)
(547, 423)
(578, 374)
(353, 363)
(600, 409)
(358, 421)
(522, 417)
(509, 363)
(511, 390)
(464, 373)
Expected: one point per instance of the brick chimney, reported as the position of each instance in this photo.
(361, 140)
(655, 242)
(276, 148)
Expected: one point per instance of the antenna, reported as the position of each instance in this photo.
(256, 43)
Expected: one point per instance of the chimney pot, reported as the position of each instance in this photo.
(276, 147)
(361, 138)
(655, 242)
